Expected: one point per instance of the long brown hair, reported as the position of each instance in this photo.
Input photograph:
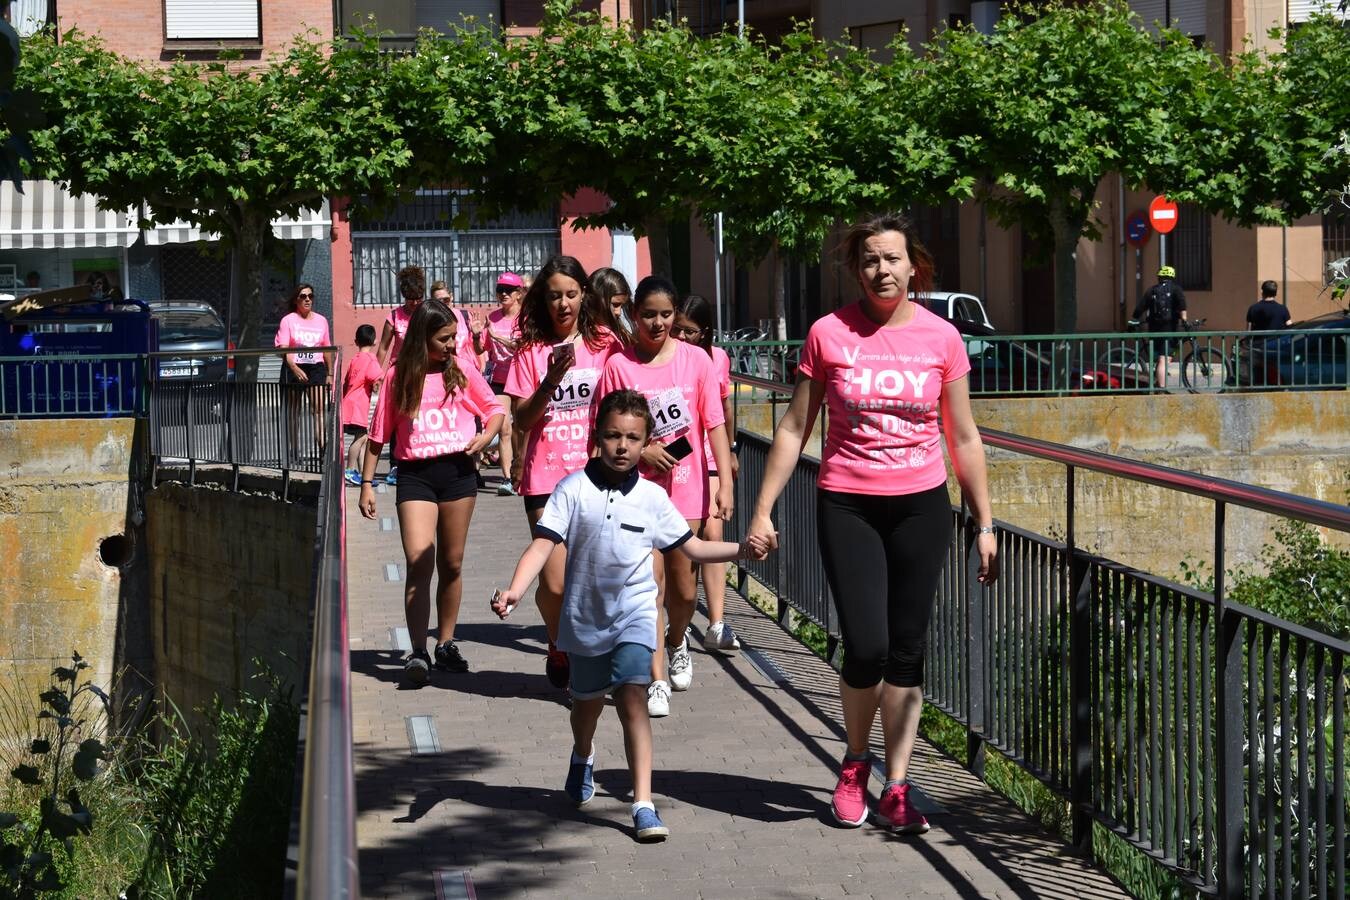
(922, 279)
(536, 324)
(413, 364)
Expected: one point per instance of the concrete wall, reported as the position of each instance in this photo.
(1288, 441)
(64, 491)
(230, 580)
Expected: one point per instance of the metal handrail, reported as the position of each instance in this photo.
(327, 855)
(1318, 512)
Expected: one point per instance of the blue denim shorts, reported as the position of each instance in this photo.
(596, 676)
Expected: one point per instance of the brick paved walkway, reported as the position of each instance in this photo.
(744, 768)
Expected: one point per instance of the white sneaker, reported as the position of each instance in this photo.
(719, 636)
(681, 666)
(658, 700)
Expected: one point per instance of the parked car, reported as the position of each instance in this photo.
(1312, 356)
(965, 311)
(192, 327)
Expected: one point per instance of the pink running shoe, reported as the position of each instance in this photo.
(895, 813)
(850, 794)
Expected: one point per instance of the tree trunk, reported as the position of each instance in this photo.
(658, 245)
(246, 290)
(1067, 233)
(779, 295)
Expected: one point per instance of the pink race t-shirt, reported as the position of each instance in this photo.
(722, 366)
(683, 397)
(558, 444)
(464, 352)
(363, 373)
(882, 387)
(296, 330)
(398, 320)
(442, 425)
(505, 328)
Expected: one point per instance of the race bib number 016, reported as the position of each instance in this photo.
(670, 414)
(575, 391)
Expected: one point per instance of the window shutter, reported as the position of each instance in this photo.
(440, 14)
(1150, 12)
(214, 20)
(1302, 10)
(1188, 16)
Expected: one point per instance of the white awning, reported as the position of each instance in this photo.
(47, 217)
(312, 226)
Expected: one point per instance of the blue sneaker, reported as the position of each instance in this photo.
(392, 477)
(352, 476)
(580, 786)
(648, 826)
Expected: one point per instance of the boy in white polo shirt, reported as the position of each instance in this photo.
(610, 521)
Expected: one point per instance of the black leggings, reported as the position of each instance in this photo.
(883, 557)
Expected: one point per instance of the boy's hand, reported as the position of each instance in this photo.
(754, 548)
(503, 602)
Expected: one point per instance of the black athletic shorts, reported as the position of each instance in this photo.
(535, 501)
(317, 373)
(498, 387)
(354, 430)
(438, 479)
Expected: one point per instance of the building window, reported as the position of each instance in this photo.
(1189, 247)
(438, 231)
(876, 38)
(403, 18)
(1300, 11)
(219, 20)
(1335, 238)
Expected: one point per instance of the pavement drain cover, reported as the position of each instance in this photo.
(391, 572)
(422, 737)
(766, 666)
(456, 885)
(399, 640)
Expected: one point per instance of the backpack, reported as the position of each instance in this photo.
(1162, 308)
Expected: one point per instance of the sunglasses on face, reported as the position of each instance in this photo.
(305, 296)
(505, 288)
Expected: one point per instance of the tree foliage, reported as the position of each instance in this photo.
(784, 139)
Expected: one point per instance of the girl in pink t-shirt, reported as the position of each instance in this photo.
(894, 377)
(431, 403)
(695, 325)
(363, 373)
(681, 388)
(551, 383)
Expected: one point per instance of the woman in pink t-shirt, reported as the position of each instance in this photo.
(894, 378)
(307, 372)
(433, 405)
(499, 338)
(681, 388)
(551, 383)
(695, 325)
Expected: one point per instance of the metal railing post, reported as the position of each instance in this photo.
(1078, 593)
(974, 656)
(1229, 813)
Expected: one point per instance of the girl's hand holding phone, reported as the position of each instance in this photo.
(563, 357)
(657, 459)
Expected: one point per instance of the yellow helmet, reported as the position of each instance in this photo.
(1167, 272)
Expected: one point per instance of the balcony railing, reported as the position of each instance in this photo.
(1210, 735)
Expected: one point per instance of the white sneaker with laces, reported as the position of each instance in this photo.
(719, 636)
(658, 700)
(681, 666)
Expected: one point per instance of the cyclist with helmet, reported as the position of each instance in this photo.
(1163, 310)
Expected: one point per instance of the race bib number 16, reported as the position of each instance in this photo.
(670, 414)
(575, 390)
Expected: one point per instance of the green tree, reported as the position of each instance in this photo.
(1056, 99)
(224, 147)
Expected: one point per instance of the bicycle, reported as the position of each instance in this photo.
(1204, 370)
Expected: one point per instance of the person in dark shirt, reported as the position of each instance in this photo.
(1163, 309)
(1268, 314)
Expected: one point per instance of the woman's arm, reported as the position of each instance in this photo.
(386, 341)
(967, 454)
(533, 407)
(789, 438)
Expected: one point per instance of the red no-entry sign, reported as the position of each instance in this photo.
(1162, 214)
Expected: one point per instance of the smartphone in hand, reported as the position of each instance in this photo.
(566, 352)
(680, 447)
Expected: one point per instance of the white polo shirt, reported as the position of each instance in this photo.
(609, 590)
